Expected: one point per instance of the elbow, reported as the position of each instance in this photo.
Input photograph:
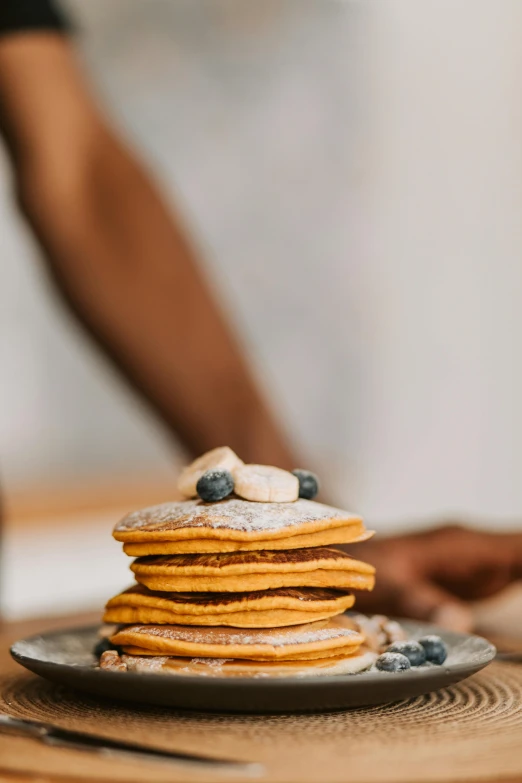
(58, 191)
(53, 202)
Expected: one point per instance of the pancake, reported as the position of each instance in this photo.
(261, 570)
(234, 520)
(221, 668)
(304, 642)
(309, 656)
(261, 609)
(350, 534)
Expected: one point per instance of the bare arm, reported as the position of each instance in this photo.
(121, 260)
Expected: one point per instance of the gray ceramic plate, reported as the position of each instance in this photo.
(65, 657)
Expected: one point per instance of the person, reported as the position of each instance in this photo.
(128, 272)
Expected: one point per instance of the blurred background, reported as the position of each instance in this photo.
(352, 175)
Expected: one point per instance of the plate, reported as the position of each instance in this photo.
(65, 657)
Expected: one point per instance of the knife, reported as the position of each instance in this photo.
(509, 657)
(79, 740)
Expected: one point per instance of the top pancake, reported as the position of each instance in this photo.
(232, 519)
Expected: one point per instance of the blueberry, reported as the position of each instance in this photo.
(308, 484)
(215, 485)
(413, 651)
(436, 650)
(392, 662)
(102, 646)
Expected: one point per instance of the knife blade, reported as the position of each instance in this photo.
(78, 740)
(509, 657)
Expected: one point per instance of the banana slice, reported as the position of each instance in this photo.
(265, 484)
(222, 458)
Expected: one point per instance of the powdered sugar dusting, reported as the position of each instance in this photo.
(277, 637)
(232, 514)
(151, 665)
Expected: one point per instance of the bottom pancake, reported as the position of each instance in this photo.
(257, 609)
(230, 668)
(310, 656)
(318, 639)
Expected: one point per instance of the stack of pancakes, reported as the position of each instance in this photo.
(237, 582)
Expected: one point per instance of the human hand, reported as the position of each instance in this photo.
(434, 575)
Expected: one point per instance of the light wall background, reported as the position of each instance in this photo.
(245, 113)
(352, 174)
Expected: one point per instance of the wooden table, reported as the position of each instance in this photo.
(471, 732)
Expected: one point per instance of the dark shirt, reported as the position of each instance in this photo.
(18, 16)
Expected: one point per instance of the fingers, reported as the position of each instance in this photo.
(427, 601)
(513, 544)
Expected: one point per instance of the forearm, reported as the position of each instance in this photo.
(130, 275)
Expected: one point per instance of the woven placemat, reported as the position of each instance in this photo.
(472, 731)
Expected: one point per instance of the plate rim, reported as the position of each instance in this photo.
(487, 655)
